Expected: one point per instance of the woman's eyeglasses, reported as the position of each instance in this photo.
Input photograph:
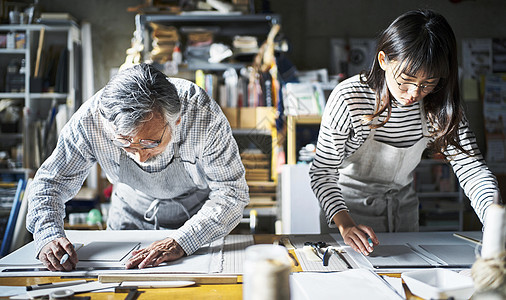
(408, 86)
(144, 143)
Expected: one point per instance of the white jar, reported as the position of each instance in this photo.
(266, 273)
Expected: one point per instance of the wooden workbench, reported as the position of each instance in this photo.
(198, 291)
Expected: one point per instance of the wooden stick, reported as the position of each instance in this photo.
(39, 52)
(467, 238)
(198, 278)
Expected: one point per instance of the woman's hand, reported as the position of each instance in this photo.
(356, 236)
(51, 254)
(156, 253)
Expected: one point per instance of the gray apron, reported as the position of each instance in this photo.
(376, 183)
(144, 200)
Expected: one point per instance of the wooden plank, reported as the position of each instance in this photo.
(199, 279)
(39, 52)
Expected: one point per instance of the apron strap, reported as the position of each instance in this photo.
(152, 211)
(423, 117)
(393, 210)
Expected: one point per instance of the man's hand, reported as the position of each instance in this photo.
(356, 236)
(153, 255)
(52, 253)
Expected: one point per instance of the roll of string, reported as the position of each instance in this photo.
(489, 269)
(489, 274)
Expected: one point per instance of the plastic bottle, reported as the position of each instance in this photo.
(177, 56)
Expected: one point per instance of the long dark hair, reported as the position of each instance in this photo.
(422, 41)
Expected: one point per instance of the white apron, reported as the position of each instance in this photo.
(376, 183)
(143, 200)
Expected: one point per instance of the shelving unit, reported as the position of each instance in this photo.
(293, 142)
(36, 101)
(224, 28)
(441, 197)
(7, 193)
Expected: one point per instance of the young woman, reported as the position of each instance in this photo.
(377, 124)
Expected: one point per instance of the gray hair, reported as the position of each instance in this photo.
(133, 95)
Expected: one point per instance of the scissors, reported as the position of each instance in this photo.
(318, 249)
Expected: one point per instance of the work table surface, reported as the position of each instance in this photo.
(197, 291)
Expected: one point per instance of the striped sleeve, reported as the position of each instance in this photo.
(341, 134)
(477, 181)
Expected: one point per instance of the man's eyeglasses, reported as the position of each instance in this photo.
(426, 89)
(145, 143)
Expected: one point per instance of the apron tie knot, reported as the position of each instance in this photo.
(153, 210)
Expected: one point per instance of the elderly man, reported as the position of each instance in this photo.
(170, 154)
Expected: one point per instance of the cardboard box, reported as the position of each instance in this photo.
(232, 114)
(247, 117)
(20, 40)
(257, 117)
(3, 40)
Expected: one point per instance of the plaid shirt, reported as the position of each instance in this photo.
(207, 148)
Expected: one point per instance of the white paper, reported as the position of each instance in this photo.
(396, 283)
(6, 291)
(395, 255)
(351, 284)
(21, 257)
(207, 259)
(457, 255)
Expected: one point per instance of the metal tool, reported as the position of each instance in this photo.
(318, 250)
(284, 242)
(341, 256)
(133, 292)
(429, 260)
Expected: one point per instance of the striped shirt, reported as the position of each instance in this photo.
(342, 132)
(207, 148)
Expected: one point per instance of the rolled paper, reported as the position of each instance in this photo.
(494, 233)
(266, 273)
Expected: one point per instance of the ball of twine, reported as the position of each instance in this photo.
(490, 274)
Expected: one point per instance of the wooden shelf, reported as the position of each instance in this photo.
(36, 27)
(12, 51)
(291, 138)
(11, 136)
(49, 95)
(13, 95)
(67, 226)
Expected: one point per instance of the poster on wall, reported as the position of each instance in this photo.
(499, 55)
(351, 56)
(476, 57)
(484, 61)
(494, 110)
(483, 56)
